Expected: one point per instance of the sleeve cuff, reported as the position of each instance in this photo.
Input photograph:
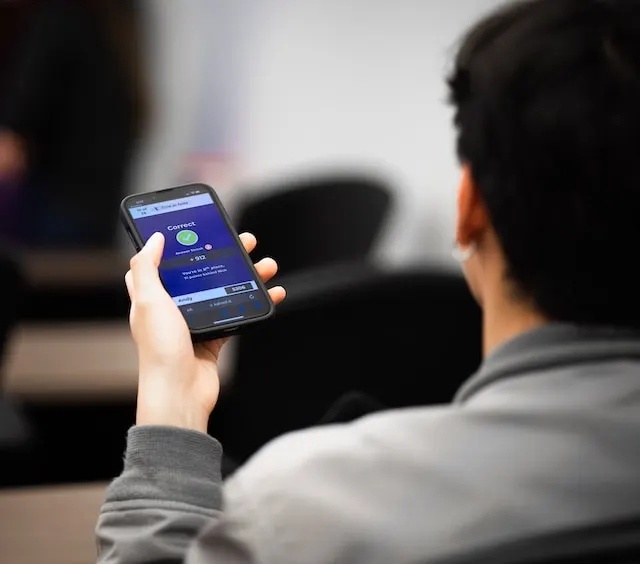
(168, 464)
(171, 450)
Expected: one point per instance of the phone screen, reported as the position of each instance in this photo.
(202, 267)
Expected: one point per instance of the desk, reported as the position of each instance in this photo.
(77, 361)
(53, 525)
(74, 268)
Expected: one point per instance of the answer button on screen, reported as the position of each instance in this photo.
(238, 288)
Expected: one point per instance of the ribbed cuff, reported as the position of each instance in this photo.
(169, 465)
(155, 449)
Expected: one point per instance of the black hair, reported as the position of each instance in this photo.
(546, 96)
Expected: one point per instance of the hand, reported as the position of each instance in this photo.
(178, 381)
(13, 156)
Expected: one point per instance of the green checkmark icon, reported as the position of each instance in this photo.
(187, 237)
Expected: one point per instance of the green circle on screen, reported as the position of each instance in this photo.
(187, 237)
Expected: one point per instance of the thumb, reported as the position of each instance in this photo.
(144, 269)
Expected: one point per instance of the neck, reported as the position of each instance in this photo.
(504, 319)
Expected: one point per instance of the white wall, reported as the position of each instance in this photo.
(360, 82)
(186, 52)
(321, 83)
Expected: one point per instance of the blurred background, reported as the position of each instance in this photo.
(324, 127)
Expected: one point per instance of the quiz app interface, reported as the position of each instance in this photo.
(202, 268)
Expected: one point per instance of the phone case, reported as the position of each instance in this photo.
(208, 333)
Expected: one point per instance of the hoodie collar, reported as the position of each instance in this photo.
(551, 346)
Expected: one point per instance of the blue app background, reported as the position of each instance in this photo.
(211, 229)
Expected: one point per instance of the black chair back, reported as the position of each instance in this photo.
(14, 430)
(14, 287)
(318, 221)
(403, 338)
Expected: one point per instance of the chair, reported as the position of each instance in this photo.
(14, 287)
(14, 429)
(401, 338)
(316, 221)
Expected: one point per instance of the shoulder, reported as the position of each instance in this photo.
(373, 486)
(405, 482)
(441, 452)
(362, 465)
(320, 448)
(317, 491)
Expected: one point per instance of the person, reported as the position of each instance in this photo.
(72, 109)
(544, 439)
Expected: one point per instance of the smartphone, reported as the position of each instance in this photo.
(204, 267)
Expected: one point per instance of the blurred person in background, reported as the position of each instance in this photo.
(71, 110)
(13, 16)
(543, 439)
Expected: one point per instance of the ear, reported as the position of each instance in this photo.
(473, 218)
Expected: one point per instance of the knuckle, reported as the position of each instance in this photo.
(138, 261)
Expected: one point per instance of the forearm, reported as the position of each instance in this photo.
(169, 490)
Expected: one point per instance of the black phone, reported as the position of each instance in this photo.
(204, 267)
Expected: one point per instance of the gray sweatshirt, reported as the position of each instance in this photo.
(544, 438)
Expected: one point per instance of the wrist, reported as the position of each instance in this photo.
(170, 410)
(171, 418)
